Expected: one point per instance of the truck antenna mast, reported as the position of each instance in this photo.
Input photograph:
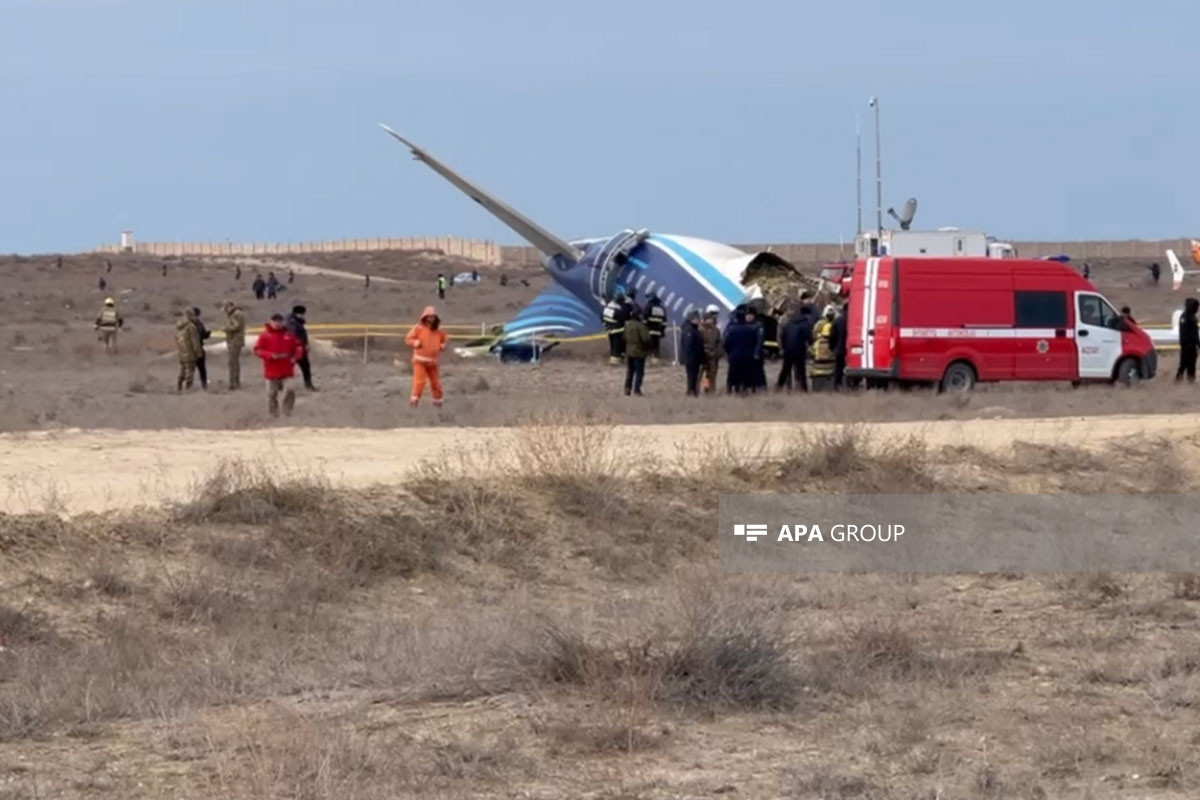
(858, 156)
(878, 170)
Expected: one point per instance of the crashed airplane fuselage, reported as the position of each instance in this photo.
(686, 273)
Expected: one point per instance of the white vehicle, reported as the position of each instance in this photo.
(940, 243)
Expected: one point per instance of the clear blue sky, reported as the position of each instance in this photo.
(256, 119)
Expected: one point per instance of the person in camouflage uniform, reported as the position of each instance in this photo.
(235, 340)
(189, 346)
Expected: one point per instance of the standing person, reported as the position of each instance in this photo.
(299, 328)
(272, 286)
(714, 348)
(839, 347)
(237, 272)
(201, 362)
(279, 351)
(656, 322)
(824, 360)
(60, 262)
(103, 284)
(367, 282)
(758, 374)
(741, 343)
(1189, 340)
(770, 326)
(637, 347)
(189, 348)
(1155, 272)
(441, 286)
(691, 346)
(795, 341)
(108, 323)
(164, 269)
(1087, 271)
(259, 287)
(235, 340)
(614, 326)
(291, 276)
(107, 265)
(427, 341)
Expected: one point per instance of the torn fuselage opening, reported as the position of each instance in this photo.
(780, 283)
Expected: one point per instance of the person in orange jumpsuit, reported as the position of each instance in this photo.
(427, 341)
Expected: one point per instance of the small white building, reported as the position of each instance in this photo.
(126, 241)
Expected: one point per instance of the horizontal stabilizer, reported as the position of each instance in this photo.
(527, 229)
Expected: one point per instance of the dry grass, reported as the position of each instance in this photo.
(458, 635)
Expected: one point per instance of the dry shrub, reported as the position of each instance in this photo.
(873, 655)
(32, 531)
(850, 458)
(828, 785)
(728, 654)
(22, 626)
(108, 579)
(241, 492)
(574, 465)
(1186, 586)
(1094, 588)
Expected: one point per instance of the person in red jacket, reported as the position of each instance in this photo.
(427, 341)
(279, 351)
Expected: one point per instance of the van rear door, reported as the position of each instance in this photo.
(870, 322)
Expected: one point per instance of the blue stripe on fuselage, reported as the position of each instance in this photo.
(726, 288)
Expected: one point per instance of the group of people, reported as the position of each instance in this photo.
(811, 346)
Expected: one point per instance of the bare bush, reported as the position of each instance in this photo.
(22, 626)
(848, 457)
(241, 492)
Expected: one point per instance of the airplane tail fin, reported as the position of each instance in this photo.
(550, 245)
(1176, 270)
(1196, 252)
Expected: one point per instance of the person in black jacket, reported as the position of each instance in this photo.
(742, 345)
(691, 344)
(1189, 340)
(201, 364)
(795, 340)
(299, 328)
(839, 347)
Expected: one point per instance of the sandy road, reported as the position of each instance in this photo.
(92, 470)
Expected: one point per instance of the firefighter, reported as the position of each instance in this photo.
(107, 325)
(824, 359)
(235, 340)
(714, 348)
(1189, 340)
(189, 347)
(656, 321)
(427, 341)
(839, 347)
(615, 315)
(770, 324)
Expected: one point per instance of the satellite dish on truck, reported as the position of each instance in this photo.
(905, 219)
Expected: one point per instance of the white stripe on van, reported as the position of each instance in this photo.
(983, 333)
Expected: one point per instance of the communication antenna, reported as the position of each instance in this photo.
(874, 103)
(906, 217)
(858, 156)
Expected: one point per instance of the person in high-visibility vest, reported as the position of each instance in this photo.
(441, 286)
(107, 325)
(824, 359)
(656, 321)
(615, 314)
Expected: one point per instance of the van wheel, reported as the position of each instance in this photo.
(959, 377)
(1128, 372)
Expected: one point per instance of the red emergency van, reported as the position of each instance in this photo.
(954, 322)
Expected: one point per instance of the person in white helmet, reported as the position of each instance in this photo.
(107, 325)
(710, 333)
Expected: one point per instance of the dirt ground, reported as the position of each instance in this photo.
(370, 602)
(54, 374)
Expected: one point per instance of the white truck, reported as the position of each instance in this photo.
(942, 242)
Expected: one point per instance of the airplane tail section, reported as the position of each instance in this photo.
(546, 242)
(1176, 270)
(1196, 252)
